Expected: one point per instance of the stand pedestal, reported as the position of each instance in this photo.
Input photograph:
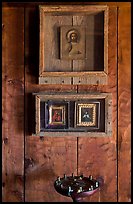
(77, 187)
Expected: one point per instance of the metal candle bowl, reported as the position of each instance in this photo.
(77, 187)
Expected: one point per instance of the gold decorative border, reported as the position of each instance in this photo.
(37, 107)
(79, 107)
(51, 107)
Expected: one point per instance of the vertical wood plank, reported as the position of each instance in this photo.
(96, 156)
(124, 104)
(48, 158)
(13, 104)
(79, 65)
(45, 158)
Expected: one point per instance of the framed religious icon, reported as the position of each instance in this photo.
(56, 114)
(72, 41)
(74, 44)
(88, 115)
(73, 114)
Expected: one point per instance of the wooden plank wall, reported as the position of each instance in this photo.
(13, 103)
(46, 158)
(101, 153)
(124, 104)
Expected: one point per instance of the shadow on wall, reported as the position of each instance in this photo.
(32, 42)
(29, 114)
(31, 64)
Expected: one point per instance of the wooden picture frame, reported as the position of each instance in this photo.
(70, 125)
(86, 114)
(55, 70)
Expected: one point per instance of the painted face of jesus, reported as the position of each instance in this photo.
(73, 37)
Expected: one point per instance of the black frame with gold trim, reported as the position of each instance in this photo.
(56, 115)
(88, 115)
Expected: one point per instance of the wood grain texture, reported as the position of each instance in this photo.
(49, 35)
(50, 88)
(91, 79)
(45, 158)
(48, 158)
(13, 104)
(98, 155)
(124, 104)
(55, 80)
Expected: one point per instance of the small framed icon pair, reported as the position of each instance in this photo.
(72, 113)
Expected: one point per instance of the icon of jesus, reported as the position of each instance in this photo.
(73, 39)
